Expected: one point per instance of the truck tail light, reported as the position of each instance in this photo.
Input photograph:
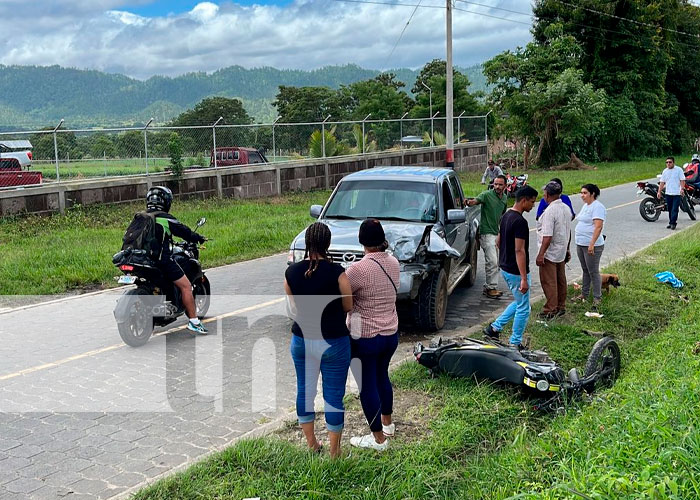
(29, 154)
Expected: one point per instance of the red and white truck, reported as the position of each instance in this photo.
(20, 149)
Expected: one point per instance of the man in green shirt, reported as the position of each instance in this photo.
(493, 206)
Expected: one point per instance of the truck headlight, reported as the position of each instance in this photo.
(295, 256)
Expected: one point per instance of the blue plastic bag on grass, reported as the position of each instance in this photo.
(669, 277)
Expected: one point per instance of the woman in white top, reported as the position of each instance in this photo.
(590, 242)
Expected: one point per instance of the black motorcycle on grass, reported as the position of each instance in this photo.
(156, 301)
(651, 207)
(532, 370)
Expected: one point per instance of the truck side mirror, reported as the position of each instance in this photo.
(315, 211)
(456, 216)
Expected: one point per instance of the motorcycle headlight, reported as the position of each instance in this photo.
(542, 385)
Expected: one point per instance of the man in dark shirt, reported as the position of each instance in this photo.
(514, 261)
(158, 201)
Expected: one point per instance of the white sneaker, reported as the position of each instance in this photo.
(389, 429)
(368, 441)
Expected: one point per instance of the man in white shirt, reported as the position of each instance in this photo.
(492, 171)
(673, 179)
(553, 238)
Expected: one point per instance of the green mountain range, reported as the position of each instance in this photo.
(39, 96)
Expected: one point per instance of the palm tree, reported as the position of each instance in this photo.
(438, 140)
(333, 146)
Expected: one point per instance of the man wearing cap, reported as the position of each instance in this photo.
(493, 206)
(553, 239)
(491, 172)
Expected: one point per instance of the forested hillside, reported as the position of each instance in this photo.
(34, 96)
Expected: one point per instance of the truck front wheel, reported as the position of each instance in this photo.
(431, 304)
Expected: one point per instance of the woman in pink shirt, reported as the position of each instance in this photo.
(373, 325)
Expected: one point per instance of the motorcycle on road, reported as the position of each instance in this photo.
(651, 207)
(155, 300)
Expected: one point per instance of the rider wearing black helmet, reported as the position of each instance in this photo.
(158, 201)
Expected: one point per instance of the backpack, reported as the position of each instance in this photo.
(141, 235)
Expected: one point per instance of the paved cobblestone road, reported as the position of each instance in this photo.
(83, 416)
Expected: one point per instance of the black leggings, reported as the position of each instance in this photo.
(370, 367)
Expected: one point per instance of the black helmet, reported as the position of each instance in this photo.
(160, 198)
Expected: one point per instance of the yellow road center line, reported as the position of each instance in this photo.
(112, 347)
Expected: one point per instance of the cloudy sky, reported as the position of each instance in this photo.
(142, 38)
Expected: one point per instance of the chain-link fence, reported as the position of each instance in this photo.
(62, 154)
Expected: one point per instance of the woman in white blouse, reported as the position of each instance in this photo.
(590, 242)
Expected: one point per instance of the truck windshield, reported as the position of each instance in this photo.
(403, 200)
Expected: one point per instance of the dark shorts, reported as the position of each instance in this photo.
(171, 269)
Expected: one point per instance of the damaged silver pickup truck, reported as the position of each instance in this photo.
(428, 226)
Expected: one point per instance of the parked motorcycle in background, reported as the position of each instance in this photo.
(651, 207)
(514, 182)
(156, 301)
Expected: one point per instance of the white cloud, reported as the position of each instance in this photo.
(306, 34)
(205, 11)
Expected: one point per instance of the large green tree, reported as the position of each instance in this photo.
(382, 98)
(643, 54)
(627, 50)
(310, 104)
(433, 75)
(208, 111)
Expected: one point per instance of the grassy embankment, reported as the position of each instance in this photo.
(639, 439)
(45, 255)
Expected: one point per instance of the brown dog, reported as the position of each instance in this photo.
(608, 280)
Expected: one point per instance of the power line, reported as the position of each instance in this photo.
(638, 38)
(392, 4)
(497, 8)
(620, 18)
(628, 35)
(402, 32)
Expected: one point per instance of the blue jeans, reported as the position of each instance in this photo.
(673, 202)
(518, 310)
(372, 376)
(330, 357)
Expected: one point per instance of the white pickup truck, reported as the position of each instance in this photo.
(20, 149)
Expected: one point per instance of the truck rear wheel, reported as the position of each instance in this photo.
(430, 307)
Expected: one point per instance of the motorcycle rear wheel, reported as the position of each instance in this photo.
(649, 209)
(136, 331)
(202, 296)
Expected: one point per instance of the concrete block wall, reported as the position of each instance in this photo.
(232, 182)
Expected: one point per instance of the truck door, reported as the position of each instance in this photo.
(461, 233)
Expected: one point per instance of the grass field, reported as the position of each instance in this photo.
(115, 167)
(638, 440)
(44, 255)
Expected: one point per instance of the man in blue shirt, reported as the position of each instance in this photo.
(565, 199)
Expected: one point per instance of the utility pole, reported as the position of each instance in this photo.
(449, 136)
